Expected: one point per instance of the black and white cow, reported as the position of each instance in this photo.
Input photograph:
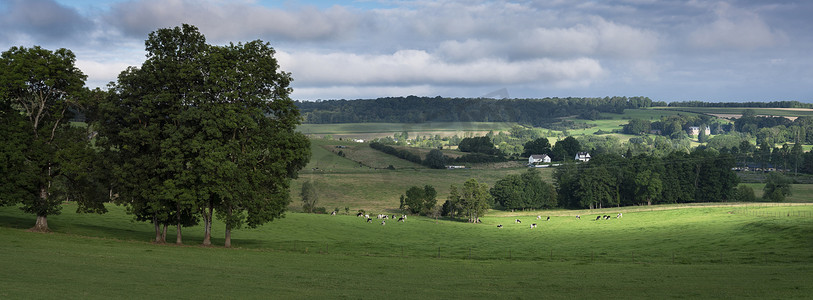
(499, 226)
(533, 225)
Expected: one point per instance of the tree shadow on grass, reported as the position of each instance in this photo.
(17, 222)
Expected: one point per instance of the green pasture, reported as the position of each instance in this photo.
(784, 112)
(651, 252)
(374, 130)
(344, 182)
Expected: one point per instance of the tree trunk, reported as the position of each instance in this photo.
(164, 234)
(158, 238)
(227, 244)
(41, 225)
(42, 219)
(178, 238)
(207, 225)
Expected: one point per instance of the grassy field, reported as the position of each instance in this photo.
(737, 111)
(376, 130)
(344, 182)
(663, 252)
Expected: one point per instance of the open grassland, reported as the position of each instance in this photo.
(378, 130)
(737, 111)
(360, 181)
(700, 252)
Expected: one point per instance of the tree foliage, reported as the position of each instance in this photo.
(420, 200)
(524, 191)
(309, 195)
(45, 159)
(201, 129)
(777, 187)
(537, 147)
(609, 180)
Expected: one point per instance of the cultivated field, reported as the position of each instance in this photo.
(664, 252)
(736, 112)
(368, 131)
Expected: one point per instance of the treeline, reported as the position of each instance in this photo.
(613, 180)
(402, 153)
(413, 109)
(772, 104)
(435, 158)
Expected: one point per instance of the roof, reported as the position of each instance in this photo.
(539, 156)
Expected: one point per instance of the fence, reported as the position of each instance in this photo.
(643, 256)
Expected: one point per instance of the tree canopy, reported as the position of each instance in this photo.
(203, 129)
(45, 159)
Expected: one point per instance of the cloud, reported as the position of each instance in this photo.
(227, 21)
(596, 37)
(735, 28)
(418, 67)
(24, 20)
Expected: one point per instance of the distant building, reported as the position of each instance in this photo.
(455, 167)
(583, 156)
(541, 158)
(358, 140)
(695, 130)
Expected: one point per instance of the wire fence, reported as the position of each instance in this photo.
(642, 256)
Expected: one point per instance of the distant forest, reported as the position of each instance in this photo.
(413, 109)
(772, 104)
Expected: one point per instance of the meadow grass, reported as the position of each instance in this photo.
(697, 252)
(789, 112)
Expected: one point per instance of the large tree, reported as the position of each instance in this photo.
(205, 131)
(420, 200)
(475, 199)
(39, 92)
(536, 147)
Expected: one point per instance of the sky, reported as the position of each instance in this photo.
(668, 50)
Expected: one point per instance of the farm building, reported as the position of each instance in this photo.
(695, 130)
(541, 158)
(582, 156)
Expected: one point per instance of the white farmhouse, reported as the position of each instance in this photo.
(583, 156)
(535, 159)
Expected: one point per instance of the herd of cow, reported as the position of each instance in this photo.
(383, 218)
(604, 217)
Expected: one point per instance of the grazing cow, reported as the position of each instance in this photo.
(383, 222)
(333, 213)
(607, 217)
(517, 221)
(400, 219)
(538, 217)
(619, 216)
(533, 225)
(499, 226)
(578, 217)
(598, 218)
(367, 216)
(548, 219)
(359, 214)
(369, 220)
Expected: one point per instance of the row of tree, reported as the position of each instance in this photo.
(413, 109)
(613, 180)
(196, 132)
